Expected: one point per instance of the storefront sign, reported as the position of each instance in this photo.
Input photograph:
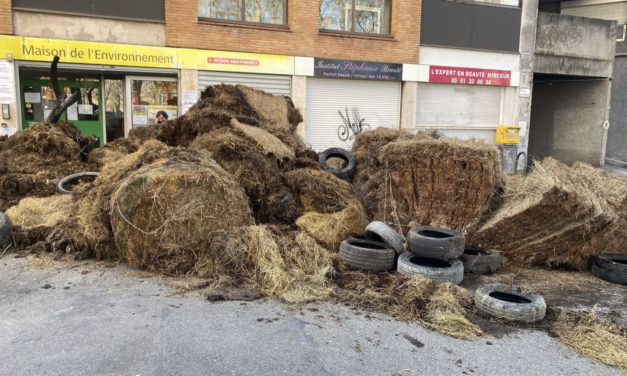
(358, 70)
(469, 76)
(69, 51)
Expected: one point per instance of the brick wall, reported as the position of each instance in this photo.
(6, 23)
(302, 38)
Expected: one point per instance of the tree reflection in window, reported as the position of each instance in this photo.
(370, 16)
(258, 11)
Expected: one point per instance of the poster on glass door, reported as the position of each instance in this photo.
(154, 111)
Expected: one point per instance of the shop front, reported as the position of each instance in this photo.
(126, 86)
(368, 93)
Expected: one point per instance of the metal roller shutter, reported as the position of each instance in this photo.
(458, 106)
(270, 83)
(379, 103)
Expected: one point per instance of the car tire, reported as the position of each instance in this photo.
(479, 261)
(367, 255)
(434, 242)
(343, 173)
(502, 301)
(380, 232)
(5, 229)
(610, 267)
(71, 178)
(437, 270)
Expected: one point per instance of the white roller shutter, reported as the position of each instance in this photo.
(271, 83)
(458, 106)
(379, 103)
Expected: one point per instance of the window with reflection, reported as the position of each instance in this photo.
(356, 16)
(273, 12)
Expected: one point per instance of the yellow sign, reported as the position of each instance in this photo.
(40, 49)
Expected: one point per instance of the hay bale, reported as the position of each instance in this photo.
(258, 172)
(557, 216)
(332, 212)
(270, 144)
(89, 226)
(32, 161)
(153, 204)
(279, 262)
(111, 152)
(440, 182)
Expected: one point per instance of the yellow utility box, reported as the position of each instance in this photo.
(507, 134)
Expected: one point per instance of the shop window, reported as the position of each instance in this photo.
(273, 12)
(152, 97)
(356, 16)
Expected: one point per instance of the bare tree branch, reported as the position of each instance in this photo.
(62, 101)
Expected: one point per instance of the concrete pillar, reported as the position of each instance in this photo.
(527, 46)
(188, 81)
(299, 97)
(408, 104)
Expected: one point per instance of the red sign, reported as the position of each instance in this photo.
(469, 76)
(223, 60)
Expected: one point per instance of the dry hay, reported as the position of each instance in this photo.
(558, 216)
(89, 226)
(260, 175)
(440, 307)
(153, 204)
(593, 338)
(331, 210)
(281, 117)
(270, 144)
(112, 151)
(440, 182)
(279, 262)
(215, 109)
(32, 161)
(34, 218)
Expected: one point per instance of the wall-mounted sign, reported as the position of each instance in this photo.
(469, 76)
(357, 70)
(524, 92)
(70, 51)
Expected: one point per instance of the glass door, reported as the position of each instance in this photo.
(150, 100)
(38, 100)
(114, 108)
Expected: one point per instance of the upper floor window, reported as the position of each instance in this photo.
(258, 11)
(369, 16)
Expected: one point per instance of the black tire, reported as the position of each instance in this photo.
(610, 267)
(479, 261)
(71, 178)
(434, 242)
(505, 302)
(380, 232)
(5, 229)
(437, 270)
(367, 255)
(343, 173)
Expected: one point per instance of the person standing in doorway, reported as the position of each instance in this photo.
(162, 117)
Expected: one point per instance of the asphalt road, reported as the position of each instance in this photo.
(88, 319)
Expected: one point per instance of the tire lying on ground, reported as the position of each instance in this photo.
(5, 229)
(479, 261)
(347, 157)
(437, 270)
(610, 267)
(367, 254)
(380, 232)
(502, 301)
(434, 242)
(63, 184)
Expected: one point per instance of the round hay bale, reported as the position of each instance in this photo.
(152, 205)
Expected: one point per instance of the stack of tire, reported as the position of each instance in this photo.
(376, 251)
(433, 253)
